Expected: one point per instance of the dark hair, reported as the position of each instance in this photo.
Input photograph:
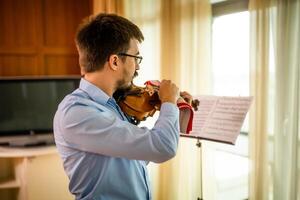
(100, 36)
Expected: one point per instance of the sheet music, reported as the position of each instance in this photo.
(220, 118)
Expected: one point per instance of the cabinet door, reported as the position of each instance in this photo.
(37, 36)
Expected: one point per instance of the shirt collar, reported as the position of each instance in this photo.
(93, 91)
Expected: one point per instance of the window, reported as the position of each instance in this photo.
(227, 165)
(230, 56)
(230, 63)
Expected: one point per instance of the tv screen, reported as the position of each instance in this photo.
(28, 105)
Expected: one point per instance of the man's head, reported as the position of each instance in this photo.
(102, 36)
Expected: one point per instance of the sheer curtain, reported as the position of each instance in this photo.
(177, 46)
(108, 6)
(186, 33)
(275, 85)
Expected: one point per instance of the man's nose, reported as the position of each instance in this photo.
(137, 66)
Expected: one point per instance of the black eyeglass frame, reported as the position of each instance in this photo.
(138, 59)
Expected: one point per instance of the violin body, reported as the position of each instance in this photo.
(138, 103)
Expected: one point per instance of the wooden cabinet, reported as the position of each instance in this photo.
(37, 36)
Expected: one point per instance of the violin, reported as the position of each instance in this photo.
(139, 103)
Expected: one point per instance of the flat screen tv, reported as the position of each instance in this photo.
(28, 105)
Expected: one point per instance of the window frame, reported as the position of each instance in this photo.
(229, 7)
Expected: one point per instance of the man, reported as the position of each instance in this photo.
(103, 154)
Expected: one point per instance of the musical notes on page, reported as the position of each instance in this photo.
(220, 118)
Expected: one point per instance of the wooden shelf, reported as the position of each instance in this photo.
(13, 152)
(9, 184)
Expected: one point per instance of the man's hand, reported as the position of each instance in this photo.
(168, 92)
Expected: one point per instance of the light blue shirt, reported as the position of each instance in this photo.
(103, 154)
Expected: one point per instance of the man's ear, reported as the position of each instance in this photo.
(113, 62)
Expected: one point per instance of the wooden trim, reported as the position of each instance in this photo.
(37, 50)
(18, 50)
(40, 77)
(59, 51)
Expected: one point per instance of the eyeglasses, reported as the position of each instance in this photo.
(138, 59)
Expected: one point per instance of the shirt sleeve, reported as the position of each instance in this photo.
(88, 129)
